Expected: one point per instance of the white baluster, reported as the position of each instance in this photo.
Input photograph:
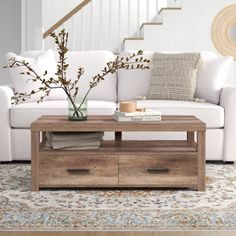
(101, 25)
(129, 13)
(73, 32)
(148, 5)
(138, 17)
(119, 26)
(157, 6)
(110, 25)
(157, 10)
(91, 27)
(82, 30)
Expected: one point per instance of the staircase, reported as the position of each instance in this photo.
(113, 25)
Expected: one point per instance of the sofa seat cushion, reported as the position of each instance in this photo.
(211, 114)
(22, 115)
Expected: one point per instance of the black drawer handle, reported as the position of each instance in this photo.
(157, 170)
(78, 171)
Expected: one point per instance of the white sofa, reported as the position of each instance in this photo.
(220, 118)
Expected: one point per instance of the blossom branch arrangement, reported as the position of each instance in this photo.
(60, 81)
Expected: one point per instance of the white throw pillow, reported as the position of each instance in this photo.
(212, 77)
(93, 63)
(44, 61)
(134, 83)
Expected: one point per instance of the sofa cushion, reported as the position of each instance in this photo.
(22, 115)
(211, 114)
(41, 62)
(139, 80)
(93, 62)
(212, 77)
(174, 76)
(132, 83)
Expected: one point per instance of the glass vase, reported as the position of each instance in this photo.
(78, 111)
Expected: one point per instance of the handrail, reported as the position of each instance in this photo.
(65, 18)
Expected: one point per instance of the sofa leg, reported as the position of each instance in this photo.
(228, 162)
(14, 162)
(5, 162)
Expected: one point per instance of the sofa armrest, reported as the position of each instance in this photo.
(228, 102)
(6, 92)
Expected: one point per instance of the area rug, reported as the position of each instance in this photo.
(21, 209)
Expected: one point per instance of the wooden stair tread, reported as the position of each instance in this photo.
(169, 8)
(150, 23)
(133, 39)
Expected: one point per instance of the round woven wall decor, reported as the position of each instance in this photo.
(221, 37)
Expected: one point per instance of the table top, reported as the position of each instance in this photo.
(106, 123)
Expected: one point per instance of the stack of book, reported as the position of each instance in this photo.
(74, 141)
(148, 115)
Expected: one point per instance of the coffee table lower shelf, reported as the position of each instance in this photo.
(120, 164)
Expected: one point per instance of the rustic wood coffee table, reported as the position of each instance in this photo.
(120, 163)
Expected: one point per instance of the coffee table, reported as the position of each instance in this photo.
(120, 163)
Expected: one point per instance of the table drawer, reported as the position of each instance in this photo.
(75, 171)
(158, 170)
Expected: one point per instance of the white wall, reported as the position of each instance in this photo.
(10, 36)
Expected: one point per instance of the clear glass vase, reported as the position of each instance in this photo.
(78, 111)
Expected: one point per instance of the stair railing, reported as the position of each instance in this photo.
(65, 18)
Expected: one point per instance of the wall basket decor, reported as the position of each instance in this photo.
(224, 31)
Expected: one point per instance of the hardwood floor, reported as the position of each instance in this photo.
(161, 233)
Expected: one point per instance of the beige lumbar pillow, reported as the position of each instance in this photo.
(174, 76)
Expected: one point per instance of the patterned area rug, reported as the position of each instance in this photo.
(21, 209)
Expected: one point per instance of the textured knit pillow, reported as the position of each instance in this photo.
(174, 76)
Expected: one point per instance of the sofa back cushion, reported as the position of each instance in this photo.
(133, 83)
(92, 62)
